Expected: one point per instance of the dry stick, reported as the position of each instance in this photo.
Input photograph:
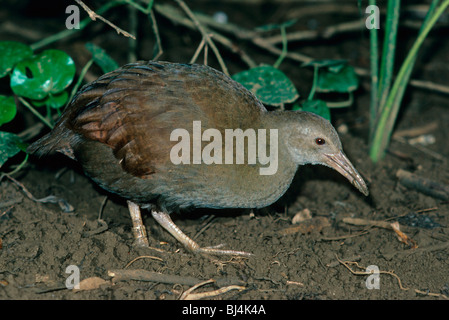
(169, 12)
(187, 295)
(346, 264)
(386, 225)
(10, 203)
(198, 50)
(156, 34)
(391, 273)
(207, 224)
(187, 292)
(173, 14)
(103, 224)
(424, 185)
(364, 222)
(204, 34)
(94, 16)
(206, 53)
(132, 45)
(421, 148)
(361, 233)
(144, 275)
(63, 204)
(142, 257)
(416, 131)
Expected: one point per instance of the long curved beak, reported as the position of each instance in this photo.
(341, 163)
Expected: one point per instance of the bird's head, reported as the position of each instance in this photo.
(313, 140)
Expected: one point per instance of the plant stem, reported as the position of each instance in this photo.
(204, 33)
(80, 80)
(314, 84)
(389, 113)
(388, 53)
(35, 112)
(17, 169)
(374, 57)
(68, 32)
(284, 48)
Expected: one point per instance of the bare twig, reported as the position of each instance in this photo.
(206, 225)
(383, 224)
(63, 204)
(205, 35)
(188, 295)
(169, 12)
(144, 275)
(142, 257)
(198, 50)
(95, 16)
(132, 45)
(421, 148)
(160, 51)
(424, 185)
(417, 131)
(391, 273)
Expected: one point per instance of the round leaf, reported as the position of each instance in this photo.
(269, 84)
(11, 53)
(318, 107)
(49, 72)
(55, 101)
(7, 109)
(10, 145)
(337, 79)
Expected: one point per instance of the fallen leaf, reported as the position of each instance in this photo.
(403, 237)
(302, 216)
(92, 283)
(316, 224)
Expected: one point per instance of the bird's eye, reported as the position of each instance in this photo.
(320, 141)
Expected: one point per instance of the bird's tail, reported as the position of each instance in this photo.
(56, 141)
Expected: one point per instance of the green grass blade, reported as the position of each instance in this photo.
(389, 113)
(374, 64)
(388, 53)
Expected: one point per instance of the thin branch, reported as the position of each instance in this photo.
(35, 112)
(170, 13)
(205, 35)
(160, 51)
(198, 50)
(95, 16)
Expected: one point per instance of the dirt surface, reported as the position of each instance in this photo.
(39, 241)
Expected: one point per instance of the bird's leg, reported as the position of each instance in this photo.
(167, 223)
(139, 231)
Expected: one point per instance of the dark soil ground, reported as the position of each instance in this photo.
(39, 241)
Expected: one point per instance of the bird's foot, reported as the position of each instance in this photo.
(215, 250)
(167, 223)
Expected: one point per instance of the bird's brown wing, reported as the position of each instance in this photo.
(135, 108)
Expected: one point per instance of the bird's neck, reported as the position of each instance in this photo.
(272, 183)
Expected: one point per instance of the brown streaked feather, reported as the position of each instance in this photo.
(135, 108)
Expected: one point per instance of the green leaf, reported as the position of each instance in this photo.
(11, 53)
(318, 107)
(341, 79)
(10, 145)
(55, 101)
(269, 84)
(101, 58)
(7, 109)
(49, 72)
